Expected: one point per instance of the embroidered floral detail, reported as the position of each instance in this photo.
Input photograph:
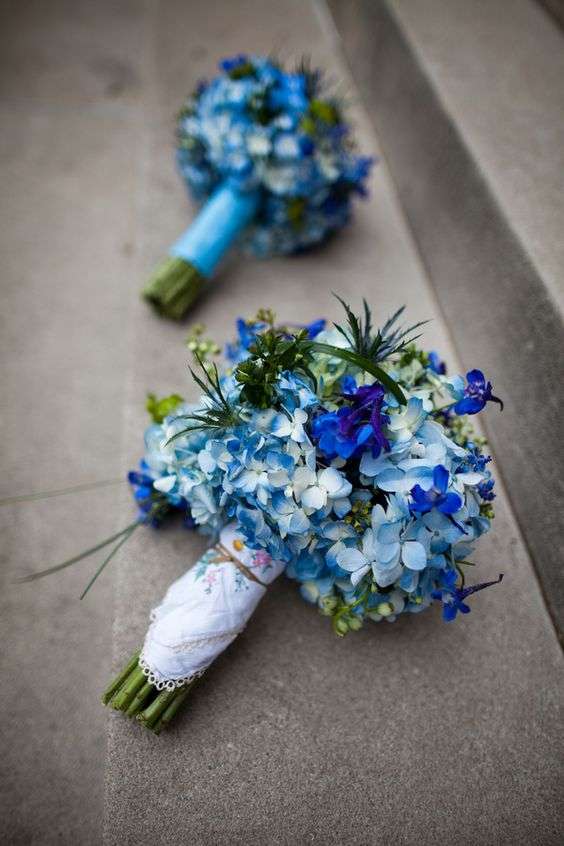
(261, 561)
(207, 570)
(241, 583)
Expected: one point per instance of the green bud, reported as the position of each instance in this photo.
(328, 604)
(341, 627)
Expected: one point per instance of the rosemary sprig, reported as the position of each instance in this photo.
(386, 342)
(218, 414)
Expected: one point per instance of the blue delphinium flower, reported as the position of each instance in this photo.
(438, 496)
(355, 427)
(477, 460)
(486, 490)
(453, 597)
(315, 327)
(477, 393)
(435, 364)
(246, 334)
(142, 484)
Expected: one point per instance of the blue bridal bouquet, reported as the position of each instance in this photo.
(341, 456)
(269, 155)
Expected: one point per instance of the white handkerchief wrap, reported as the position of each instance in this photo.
(205, 610)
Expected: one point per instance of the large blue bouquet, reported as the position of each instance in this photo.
(270, 155)
(341, 456)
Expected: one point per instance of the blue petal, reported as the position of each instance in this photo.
(476, 377)
(450, 504)
(413, 555)
(449, 613)
(469, 405)
(440, 478)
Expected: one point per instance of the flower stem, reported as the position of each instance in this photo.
(113, 688)
(131, 693)
(133, 684)
(169, 712)
(151, 714)
(140, 699)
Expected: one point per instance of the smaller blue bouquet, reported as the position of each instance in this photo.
(341, 456)
(270, 156)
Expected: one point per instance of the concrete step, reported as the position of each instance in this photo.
(411, 733)
(468, 101)
(69, 78)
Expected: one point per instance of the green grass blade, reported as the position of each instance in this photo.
(108, 558)
(86, 486)
(34, 576)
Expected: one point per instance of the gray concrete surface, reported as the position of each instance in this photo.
(450, 132)
(412, 733)
(498, 66)
(69, 169)
(416, 733)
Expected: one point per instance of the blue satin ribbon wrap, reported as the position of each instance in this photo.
(221, 219)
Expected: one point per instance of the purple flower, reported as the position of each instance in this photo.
(437, 496)
(453, 597)
(356, 427)
(476, 394)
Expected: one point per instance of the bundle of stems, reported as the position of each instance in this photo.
(132, 693)
(173, 287)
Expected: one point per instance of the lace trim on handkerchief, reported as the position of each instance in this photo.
(161, 683)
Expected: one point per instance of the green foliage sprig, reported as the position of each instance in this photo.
(387, 341)
(218, 414)
(273, 352)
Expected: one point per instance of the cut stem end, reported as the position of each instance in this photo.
(137, 698)
(173, 287)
